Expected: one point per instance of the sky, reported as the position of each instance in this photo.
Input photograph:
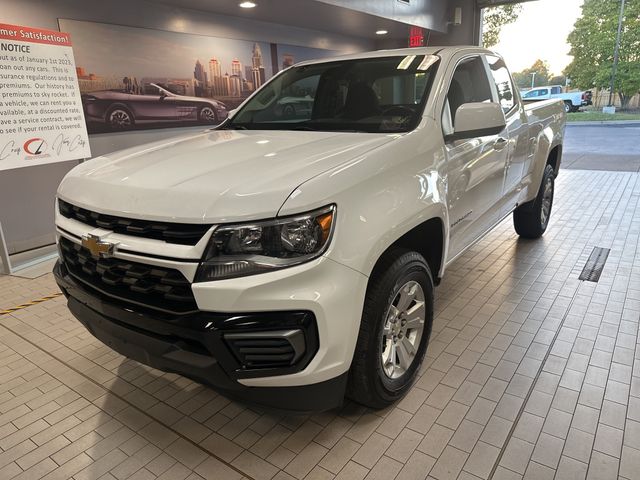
(540, 32)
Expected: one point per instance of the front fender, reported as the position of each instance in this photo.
(380, 197)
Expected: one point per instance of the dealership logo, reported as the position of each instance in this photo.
(35, 146)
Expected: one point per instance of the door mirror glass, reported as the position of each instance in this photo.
(478, 119)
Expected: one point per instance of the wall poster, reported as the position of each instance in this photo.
(139, 78)
(41, 118)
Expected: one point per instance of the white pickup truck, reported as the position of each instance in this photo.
(572, 100)
(289, 257)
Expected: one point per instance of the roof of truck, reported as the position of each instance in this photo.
(435, 50)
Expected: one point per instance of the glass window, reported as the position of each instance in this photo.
(468, 85)
(384, 94)
(296, 102)
(503, 82)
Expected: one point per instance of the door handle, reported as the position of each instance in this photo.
(500, 143)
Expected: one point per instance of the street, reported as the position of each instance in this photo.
(602, 147)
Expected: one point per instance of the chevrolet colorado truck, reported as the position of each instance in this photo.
(288, 257)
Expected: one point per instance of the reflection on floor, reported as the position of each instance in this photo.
(530, 373)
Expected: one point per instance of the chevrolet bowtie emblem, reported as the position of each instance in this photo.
(97, 247)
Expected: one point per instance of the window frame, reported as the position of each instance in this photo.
(515, 106)
(445, 102)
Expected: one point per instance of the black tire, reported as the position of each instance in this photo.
(528, 219)
(368, 382)
(568, 106)
(207, 115)
(120, 118)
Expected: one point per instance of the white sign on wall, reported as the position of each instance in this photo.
(41, 117)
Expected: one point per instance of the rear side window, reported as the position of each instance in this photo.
(503, 82)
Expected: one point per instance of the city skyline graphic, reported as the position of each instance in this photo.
(117, 58)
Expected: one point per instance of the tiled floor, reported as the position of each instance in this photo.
(530, 373)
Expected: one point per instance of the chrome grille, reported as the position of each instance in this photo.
(180, 233)
(138, 283)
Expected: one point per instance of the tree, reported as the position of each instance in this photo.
(540, 68)
(592, 44)
(494, 18)
(558, 80)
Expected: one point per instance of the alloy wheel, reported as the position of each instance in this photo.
(403, 330)
(207, 115)
(120, 119)
(547, 200)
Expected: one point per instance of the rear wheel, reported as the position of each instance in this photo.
(531, 219)
(119, 118)
(394, 331)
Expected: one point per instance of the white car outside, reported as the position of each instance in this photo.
(572, 100)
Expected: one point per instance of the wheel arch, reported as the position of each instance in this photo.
(554, 158)
(428, 239)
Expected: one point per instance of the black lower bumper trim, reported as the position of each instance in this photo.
(169, 348)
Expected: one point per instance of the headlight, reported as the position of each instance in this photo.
(240, 250)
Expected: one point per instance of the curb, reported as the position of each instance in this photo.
(606, 122)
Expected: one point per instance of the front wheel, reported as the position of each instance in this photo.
(394, 330)
(568, 106)
(531, 219)
(207, 115)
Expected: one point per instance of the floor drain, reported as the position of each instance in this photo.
(593, 268)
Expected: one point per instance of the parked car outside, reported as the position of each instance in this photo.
(572, 100)
(122, 110)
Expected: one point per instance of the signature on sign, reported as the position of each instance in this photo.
(61, 144)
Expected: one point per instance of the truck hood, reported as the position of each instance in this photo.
(211, 177)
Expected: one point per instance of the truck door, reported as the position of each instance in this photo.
(475, 166)
(517, 132)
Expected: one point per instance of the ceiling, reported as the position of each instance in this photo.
(311, 14)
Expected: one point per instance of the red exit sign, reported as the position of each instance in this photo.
(416, 37)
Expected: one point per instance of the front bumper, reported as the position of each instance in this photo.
(185, 344)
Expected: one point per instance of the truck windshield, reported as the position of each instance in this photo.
(385, 94)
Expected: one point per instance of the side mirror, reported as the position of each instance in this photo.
(477, 120)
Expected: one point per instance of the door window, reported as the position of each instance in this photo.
(468, 85)
(504, 85)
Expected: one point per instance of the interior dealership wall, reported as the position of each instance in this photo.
(448, 33)
(26, 194)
